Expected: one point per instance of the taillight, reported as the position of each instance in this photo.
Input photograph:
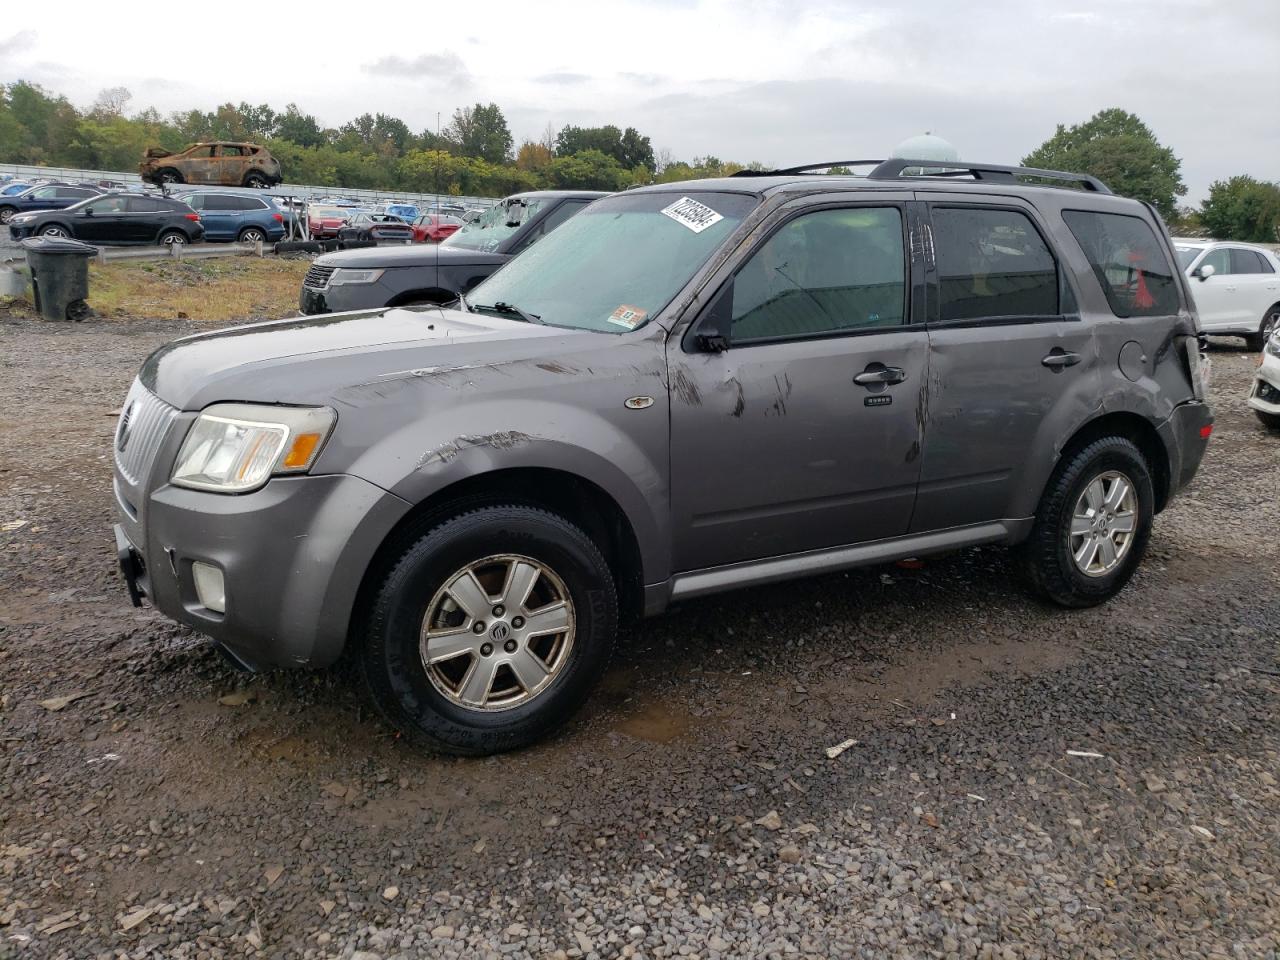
(1206, 432)
(278, 217)
(192, 216)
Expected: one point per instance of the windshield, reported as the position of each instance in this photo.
(403, 211)
(490, 230)
(619, 262)
(1187, 256)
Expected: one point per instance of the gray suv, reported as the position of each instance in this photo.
(686, 388)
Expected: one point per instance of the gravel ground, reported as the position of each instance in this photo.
(154, 803)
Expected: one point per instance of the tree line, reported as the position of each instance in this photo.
(475, 154)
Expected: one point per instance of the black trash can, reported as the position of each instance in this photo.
(59, 275)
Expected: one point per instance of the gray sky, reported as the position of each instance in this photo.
(778, 82)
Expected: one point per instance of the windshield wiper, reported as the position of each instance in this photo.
(510, 310)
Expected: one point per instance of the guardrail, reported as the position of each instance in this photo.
(300, 191)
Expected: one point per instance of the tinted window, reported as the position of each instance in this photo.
(1130, 264)
(824, 272)
(217, 201)
(74, 193)
(107, 205)
(248, 203)
(143, 205)
(195, 202)
(1266, 264)
(1245, 261)
(992, 263)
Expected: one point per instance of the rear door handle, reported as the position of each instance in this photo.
(1059, 358)
(877, 373)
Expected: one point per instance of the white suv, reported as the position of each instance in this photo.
(1236, 287)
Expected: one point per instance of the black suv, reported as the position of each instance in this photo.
(115, 218)
(438, 273)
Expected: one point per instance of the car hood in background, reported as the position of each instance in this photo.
(372, 258)
(311, 359)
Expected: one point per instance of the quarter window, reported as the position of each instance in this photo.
(992, 263)
(1130, 264)
(826, 272)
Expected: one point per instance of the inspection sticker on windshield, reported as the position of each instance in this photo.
(694, 215)
(628, 316)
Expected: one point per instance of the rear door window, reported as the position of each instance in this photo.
(1245, 261)
(992, 263)
(143, 205)
(1130, 264)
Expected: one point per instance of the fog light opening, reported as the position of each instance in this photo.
(209, 586)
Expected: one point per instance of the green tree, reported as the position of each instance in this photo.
(298, 127)
(481, 132)
(628, 147)
(1119, 149)
(1243, 208)
(587, 170)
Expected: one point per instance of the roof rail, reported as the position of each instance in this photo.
(898, 166)
(894, 168)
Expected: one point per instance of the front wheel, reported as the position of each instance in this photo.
(52, 230)
(491, 630)
(1092, 525)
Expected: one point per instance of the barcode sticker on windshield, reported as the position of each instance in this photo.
(628, 316)
(694, 215)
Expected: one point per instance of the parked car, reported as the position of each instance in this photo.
(1236, 287)
(407, 212)
(224, 163)
(358, 279)
(48, 196)
(14, 187)
(114, 218)
(324, 221)
(434, 227)
(243, 217)
(688, 388)
(447, 209)
(375, 228)
(1264, 396)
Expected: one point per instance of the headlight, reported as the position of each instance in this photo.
(235, 447)
(22, 218)
(354, 276)
(1273, 344)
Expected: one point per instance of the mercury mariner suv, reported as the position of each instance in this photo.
(684, 389)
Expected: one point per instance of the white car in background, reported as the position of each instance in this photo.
(1265, 395)
(1236, 287)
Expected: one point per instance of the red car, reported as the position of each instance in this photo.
(324, 222)
(432, 227)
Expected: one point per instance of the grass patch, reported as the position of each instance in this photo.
(216, 290)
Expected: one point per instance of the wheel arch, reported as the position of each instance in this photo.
(577, 499)
(1134, 427)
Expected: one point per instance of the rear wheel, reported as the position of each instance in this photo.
(491, 630)
(1092, 526)
(252, 235)
(257, 181)
(6, 213)
(172, 238)
(169, 175)
(1270, 322)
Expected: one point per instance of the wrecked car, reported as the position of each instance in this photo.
(686, 389)
(224, 163)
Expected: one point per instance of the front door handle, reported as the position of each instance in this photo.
(1059, 358)
(877, 373)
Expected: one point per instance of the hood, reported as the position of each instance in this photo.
(311, 359)
(370, 258)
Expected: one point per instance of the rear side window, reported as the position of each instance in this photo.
(214, 201)
(1245, 261)
(248, 203)
(828, 272)
(1128, 261)
(143, 205)
(992, 263)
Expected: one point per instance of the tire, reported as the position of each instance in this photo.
(428, 702)
(1269, 420)
(53, 230)
(1048, 558)
(1267, 326)
(252, 235)
(169, 175)
(171, 237)
(256, 181)
(6, 213)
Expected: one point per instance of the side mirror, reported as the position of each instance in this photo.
(88, 211)
(1205, 272)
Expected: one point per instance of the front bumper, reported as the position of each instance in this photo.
(343, 297)
(1186, 437)
(292, 555)
(1264, 395)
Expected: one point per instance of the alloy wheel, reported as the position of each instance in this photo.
(497, 633)
(53, 232)
(1103, 524)
(173, 239)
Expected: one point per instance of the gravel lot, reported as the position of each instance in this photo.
(166, 806)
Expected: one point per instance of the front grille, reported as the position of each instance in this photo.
(318, 277)
(144, 420)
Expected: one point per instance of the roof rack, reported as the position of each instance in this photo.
(897, 167)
